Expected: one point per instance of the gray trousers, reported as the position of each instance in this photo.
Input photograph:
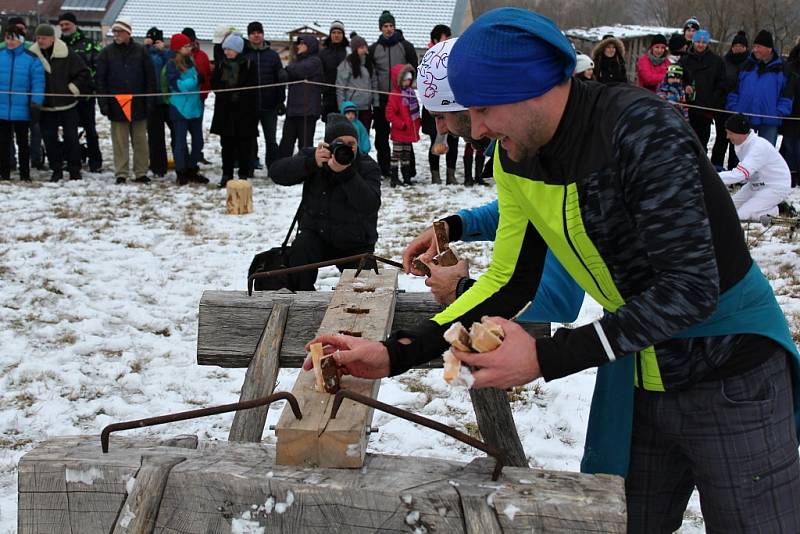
(734, 439)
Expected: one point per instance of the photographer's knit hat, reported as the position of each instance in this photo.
(515, 53)
(338, 125)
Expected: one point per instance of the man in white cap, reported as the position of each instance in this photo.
(124, 67)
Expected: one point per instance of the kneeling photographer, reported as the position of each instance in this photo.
(341, 198)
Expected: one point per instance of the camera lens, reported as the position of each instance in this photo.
(342, 153)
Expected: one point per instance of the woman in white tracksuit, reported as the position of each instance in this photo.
(766, 177)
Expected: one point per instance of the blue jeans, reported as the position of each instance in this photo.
(181, 126)
(269, 125)
(768, 132)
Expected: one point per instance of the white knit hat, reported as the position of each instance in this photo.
(124, 24)
(432, 84)
(583, 62)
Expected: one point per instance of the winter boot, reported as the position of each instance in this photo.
(196, 178)
(451, 177)
(436, 178)
(75, 175)
(57, 175)
(408, 172)
(183, 177)
(468, 159)
(224, 182)
(479, 159)
(120, 180)
(142, 180)
(394, 176)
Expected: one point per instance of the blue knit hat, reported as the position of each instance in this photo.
(701, 35)
(234, 42)
(508, 55)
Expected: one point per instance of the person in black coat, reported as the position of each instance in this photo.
(340, 203)
(124, 68)
(733, 61)
(334, 51)
(270, 99)
(609, 61)
(234, 120)
(707, 72)
(304, 102)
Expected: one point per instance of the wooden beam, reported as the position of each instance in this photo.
(362, 306)
(139, 513)
(230, 323)
(65, 483)
(259, 381)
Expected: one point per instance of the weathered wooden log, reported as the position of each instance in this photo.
(139, 513)
(240, 197)
(68, 485)
(496, 424)
(362, 306)
(260, 379)
(230, 323)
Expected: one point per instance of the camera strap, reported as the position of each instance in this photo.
(294, 221)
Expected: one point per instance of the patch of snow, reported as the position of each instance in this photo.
(244, 526)
(407, 499)
(510, 510)
(84, 476)
(281, 507)
(353, 450)
(130, 484)
(126, 517)
(412, 517)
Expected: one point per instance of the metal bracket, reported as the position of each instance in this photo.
(203, 412)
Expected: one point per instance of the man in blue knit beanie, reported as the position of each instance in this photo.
(695, 361)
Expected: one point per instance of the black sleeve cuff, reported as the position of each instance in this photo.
(569, 351)
(311, 163)
(454, 227)
(426, 344)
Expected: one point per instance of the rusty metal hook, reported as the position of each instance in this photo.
(424, 421)
(203, 412)
(361, 258)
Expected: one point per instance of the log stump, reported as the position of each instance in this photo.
(240, 197)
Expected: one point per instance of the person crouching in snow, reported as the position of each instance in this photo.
(671, 89)
(350, 110)
(234, 120)
(766, 177)
(403, 115)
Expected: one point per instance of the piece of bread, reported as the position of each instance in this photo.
(482, 339)
(493, 327)
(458, 337)
(452, 366)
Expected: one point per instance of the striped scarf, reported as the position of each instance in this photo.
(410, 100)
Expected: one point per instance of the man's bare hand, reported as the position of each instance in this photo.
(423, 243)
(513, 363)
(322, 155)
(443, 280)
(353, 355)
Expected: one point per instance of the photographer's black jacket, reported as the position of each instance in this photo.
(342, 208)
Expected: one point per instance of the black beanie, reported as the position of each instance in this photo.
(68, 16)
(764, 38)
(155, 34)
(385, 17)
(255, 26)
(738, 124)
(189, 32)
(658, 40)
(740, 38)
(338, 125)
(676, 43)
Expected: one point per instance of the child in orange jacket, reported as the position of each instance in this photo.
(403, 114)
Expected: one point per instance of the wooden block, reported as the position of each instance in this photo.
(240, 197)
(316, 360)
(458, 337)
(316, 439)
(447, 258)
(442, 238)
(482, 339)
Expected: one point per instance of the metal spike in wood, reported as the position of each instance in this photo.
(261, 376)
(316, 439)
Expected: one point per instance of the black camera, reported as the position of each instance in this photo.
(342, 152)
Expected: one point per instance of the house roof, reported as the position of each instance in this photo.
(84, 5)
(45, 8)
(415, 18)
(620, 31)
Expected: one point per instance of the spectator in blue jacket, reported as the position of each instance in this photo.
(350, 110)
(22, 72)
(185, 111)
(763, 88)
(158, 110)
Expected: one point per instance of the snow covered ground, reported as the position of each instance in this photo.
(99, 293)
